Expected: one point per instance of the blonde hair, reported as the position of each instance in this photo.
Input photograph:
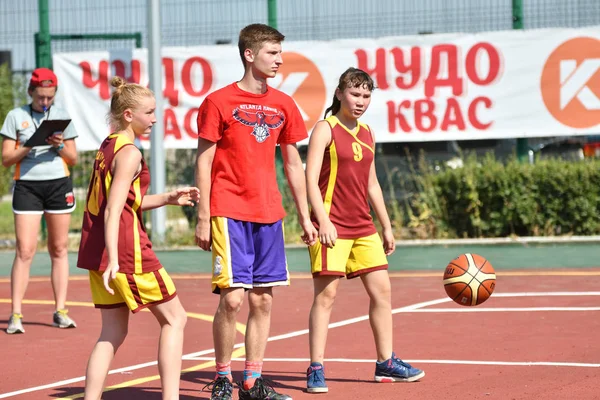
(125, 96)
(254, 36)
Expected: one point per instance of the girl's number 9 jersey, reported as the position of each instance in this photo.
(344, 179)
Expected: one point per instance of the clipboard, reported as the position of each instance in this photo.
(47, 128)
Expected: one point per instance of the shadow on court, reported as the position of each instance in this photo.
(4, 324)
(295, 377)
(280, 381)
(129, 393)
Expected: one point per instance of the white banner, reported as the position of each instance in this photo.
(433, 87)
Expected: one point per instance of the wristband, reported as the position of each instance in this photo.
(60, 147)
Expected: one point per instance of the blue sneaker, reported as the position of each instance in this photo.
(315, 379)
(396, 370)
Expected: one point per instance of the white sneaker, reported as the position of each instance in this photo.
(60, 319)
(15, 324)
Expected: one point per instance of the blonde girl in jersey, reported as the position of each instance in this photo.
(124, 271)
(342, 187)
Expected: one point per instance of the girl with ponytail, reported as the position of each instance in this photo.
(125, 274)
(342, 187)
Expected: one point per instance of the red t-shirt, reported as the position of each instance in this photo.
(247, 128)
(135, 249)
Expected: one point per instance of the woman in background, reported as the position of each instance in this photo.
(42, 187)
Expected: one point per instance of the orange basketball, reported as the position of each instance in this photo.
(469, 279)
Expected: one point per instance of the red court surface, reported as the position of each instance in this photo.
(535, 338)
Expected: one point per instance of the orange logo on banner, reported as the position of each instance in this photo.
(571, 83)
(301, 79)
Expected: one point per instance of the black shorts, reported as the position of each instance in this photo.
(36, 197)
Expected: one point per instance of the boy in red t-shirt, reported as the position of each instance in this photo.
(240, 215)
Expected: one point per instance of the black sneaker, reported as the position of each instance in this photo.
(262, 390)
(221, 389)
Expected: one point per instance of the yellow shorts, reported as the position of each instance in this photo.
(349, 257)
(135, 291)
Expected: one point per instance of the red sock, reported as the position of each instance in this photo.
(252, 371)
(224, 369)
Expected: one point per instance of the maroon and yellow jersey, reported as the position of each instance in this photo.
(344, 179)
(135, 249)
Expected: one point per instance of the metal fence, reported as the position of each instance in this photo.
(195, 22)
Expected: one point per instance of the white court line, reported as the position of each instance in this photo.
(345, 322)
(545, 294)
(405, 309)
(507, 309)
(458, 362)
(82, 378)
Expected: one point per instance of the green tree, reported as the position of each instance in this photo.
(8, 95)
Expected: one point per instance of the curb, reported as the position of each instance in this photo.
(10, 244)
(458, 242)
(499, 241)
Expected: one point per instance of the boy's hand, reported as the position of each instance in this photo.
(203, 235)
(310, 233)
